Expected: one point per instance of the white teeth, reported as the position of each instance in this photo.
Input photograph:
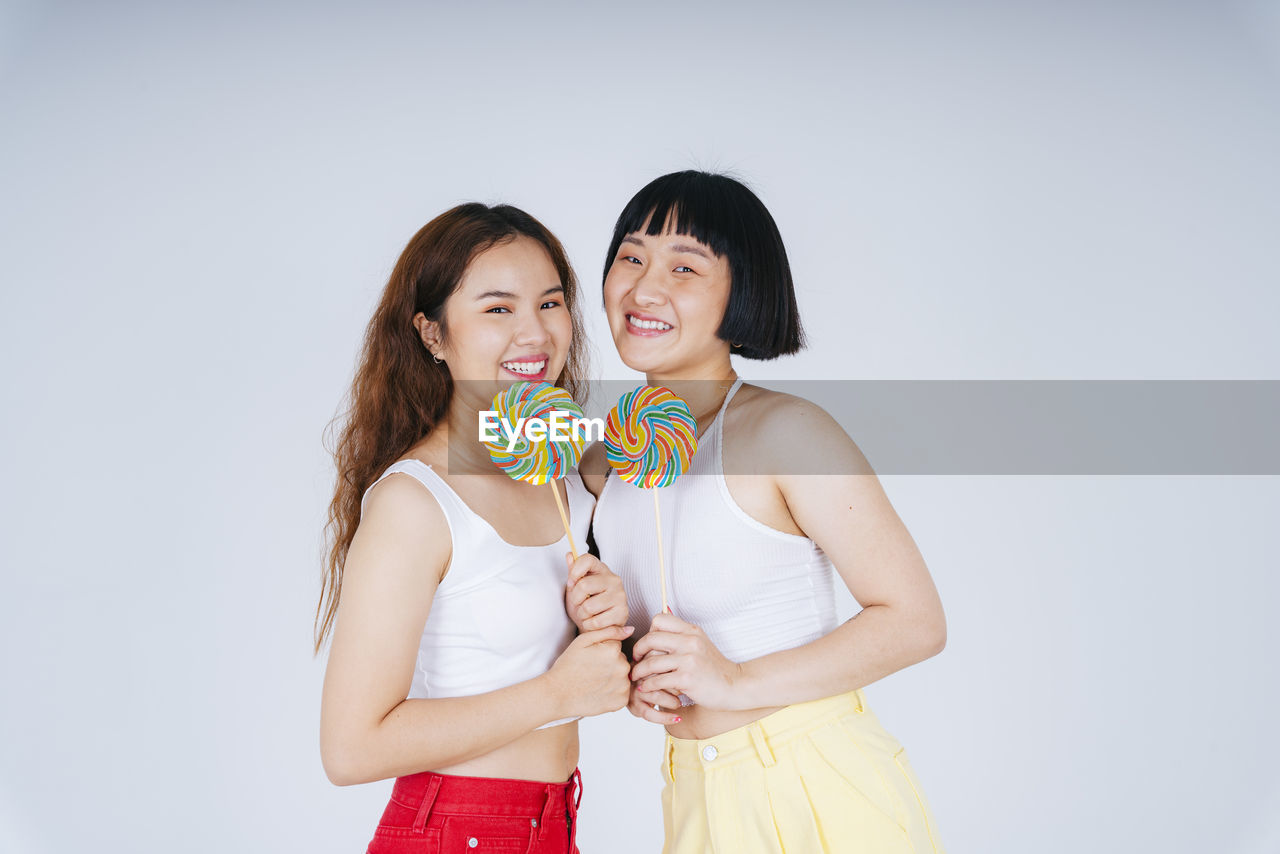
(530, 368)
(647, 324)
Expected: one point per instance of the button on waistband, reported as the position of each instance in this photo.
(709, 752)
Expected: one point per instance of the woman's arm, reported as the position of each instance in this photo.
(850, 517)
(368, 730)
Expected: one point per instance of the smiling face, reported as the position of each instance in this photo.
(507, 320)
(665, 296)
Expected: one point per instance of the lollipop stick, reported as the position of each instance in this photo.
(662, 567)
(563, 518)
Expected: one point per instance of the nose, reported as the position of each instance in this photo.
(532, 331)
(650, 289)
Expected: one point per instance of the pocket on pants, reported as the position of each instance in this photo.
(478, 834)
(853, 764)
(404, 840)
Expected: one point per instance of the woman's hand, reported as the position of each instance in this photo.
(590, 676)
(594, 597)
(654, 706)
(691, 666)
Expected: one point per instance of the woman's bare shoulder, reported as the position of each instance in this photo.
(789, 434)
(400, 513)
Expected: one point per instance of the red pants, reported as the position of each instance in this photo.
(445, 814)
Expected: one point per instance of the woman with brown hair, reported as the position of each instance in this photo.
(452, 600)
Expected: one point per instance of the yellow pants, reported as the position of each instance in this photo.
(811, 778)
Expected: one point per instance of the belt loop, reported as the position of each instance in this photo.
(671, 761)
(573, 797)
(428, 799)
(545, 818)
(857, 700)
(762, 744)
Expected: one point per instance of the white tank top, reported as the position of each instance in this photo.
(498, 616)
(753, 590)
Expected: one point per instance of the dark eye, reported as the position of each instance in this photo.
(551, 303)
(497, 308)
(633, 259)
(684, 269)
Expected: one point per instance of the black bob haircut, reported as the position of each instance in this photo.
(720, 212)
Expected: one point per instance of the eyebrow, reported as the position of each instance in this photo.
(689, 248)
(509, 295)
(674, 247)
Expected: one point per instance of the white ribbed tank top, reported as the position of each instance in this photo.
(754, 590)
(498, 616)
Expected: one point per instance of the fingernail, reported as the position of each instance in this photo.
(668, 610)
(679, 719)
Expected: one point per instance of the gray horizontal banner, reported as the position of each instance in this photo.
(1035, 427)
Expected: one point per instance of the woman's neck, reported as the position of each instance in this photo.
(703, 388)
(463, 449)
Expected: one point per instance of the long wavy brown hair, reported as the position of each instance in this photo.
(399, 393)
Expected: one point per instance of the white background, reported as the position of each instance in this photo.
(201, 202)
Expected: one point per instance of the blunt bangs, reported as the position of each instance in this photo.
(761, 320)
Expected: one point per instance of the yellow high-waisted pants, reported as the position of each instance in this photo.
(813, 778)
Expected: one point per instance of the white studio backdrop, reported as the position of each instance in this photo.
(201, 202)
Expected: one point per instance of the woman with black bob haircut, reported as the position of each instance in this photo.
(761, 317)
(770, 744)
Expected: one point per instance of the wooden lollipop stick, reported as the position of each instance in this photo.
(563, 517)
(662, 567)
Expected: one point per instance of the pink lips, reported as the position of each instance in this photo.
(533, 378)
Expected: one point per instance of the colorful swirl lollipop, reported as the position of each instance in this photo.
(543, 460)
(650, 437)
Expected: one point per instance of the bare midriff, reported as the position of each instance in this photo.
(546, 755)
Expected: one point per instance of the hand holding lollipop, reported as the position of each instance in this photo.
(546, 460)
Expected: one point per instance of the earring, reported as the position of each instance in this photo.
(735, 345)
(437, 359)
